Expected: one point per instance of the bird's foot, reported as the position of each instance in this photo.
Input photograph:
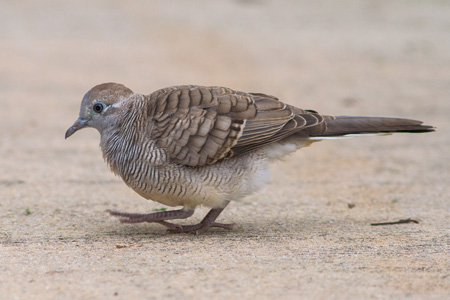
(207, 222)
(157, 217)
(196, 228)
(161, 217)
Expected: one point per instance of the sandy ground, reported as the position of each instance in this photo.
(298, 238)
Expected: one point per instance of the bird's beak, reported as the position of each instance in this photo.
(79, 124)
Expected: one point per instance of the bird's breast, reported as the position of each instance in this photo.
(147, 170)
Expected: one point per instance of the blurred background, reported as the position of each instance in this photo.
(346, 57)
(312, 52)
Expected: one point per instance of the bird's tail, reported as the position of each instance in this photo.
(342, 126)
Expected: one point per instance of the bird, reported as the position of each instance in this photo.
(189, 146)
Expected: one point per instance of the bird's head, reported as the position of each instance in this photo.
(99, 106)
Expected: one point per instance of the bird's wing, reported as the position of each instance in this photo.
(199, 126)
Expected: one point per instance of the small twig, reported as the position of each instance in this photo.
(402, 221)
(119, 246)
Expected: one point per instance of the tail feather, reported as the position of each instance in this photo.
(345, 125)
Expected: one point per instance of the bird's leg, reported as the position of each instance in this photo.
(204, 225)
(157, 217)
(161, 217)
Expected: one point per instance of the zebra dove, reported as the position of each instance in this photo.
(194, 145)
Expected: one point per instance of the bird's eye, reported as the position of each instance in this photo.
(98, 108)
